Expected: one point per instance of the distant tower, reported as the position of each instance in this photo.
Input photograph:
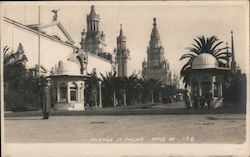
(176, 81)
(233, 62)
(228, 55)
(122, 54)
(156, 66)
(93, 40)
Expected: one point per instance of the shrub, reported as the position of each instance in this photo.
(21, 100)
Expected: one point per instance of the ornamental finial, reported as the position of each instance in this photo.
(154, 19)
(55, 14)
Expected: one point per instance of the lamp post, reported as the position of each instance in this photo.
(124, 97)
(100, 93)
(46, 100)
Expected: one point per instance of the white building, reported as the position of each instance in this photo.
(55, 45)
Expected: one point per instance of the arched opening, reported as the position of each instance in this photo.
(217, 87)
(205, 86)
(63, 92)
(73, 92)
(194, 86)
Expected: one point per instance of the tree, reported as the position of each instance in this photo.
(134, 90)
(149, 87)
(109, 89)
(91, 89)
(14, 67)
(211, 45)
(21, 91)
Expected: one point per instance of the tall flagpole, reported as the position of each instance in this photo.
(39, 24)
(24, 18)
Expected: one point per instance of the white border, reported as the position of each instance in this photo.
(58, 149)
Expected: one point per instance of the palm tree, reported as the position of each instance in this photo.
(91, 89)
(150, 86)
(211, 45)
(14, 66)
(21, 91)
(14, 58)
(109, 86)
(134, 89)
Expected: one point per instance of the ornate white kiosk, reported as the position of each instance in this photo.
(68, 81)
(206, 77)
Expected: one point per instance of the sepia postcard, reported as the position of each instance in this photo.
(125, 78)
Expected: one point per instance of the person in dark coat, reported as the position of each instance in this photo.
(187, 99)
(196, 100)
(202, 101)
(46, 101)
(208, 98)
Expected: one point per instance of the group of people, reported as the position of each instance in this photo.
(197, 101)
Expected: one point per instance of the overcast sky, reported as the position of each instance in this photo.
(178, 24)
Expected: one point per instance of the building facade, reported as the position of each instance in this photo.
(122, 55)
(156, 66)
(55, 44)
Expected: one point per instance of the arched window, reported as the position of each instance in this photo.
(73, 92)
(63, 92)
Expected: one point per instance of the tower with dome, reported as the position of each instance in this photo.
(93, 40)
(122, 54)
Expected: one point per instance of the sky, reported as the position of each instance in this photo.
(178, 24)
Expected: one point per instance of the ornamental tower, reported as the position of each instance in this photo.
(93, 40)
(155, 51)
(122, 54)
(156, 66)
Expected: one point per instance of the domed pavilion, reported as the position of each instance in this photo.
(68, 83)
(207, 78)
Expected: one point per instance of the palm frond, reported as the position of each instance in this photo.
(202, 41)
(194, 50)
(198, 43)
(222, 57)
(197, 47)
(219, 50)
(213, 49)
(187, 56)
(224, 53)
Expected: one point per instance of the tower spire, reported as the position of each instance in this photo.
(92, 12)
(154, 19)
(156, 65)
(155, 36)
(233, 63)
(122, 54)
(227, 54)
(121, 31)
(93, 40)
